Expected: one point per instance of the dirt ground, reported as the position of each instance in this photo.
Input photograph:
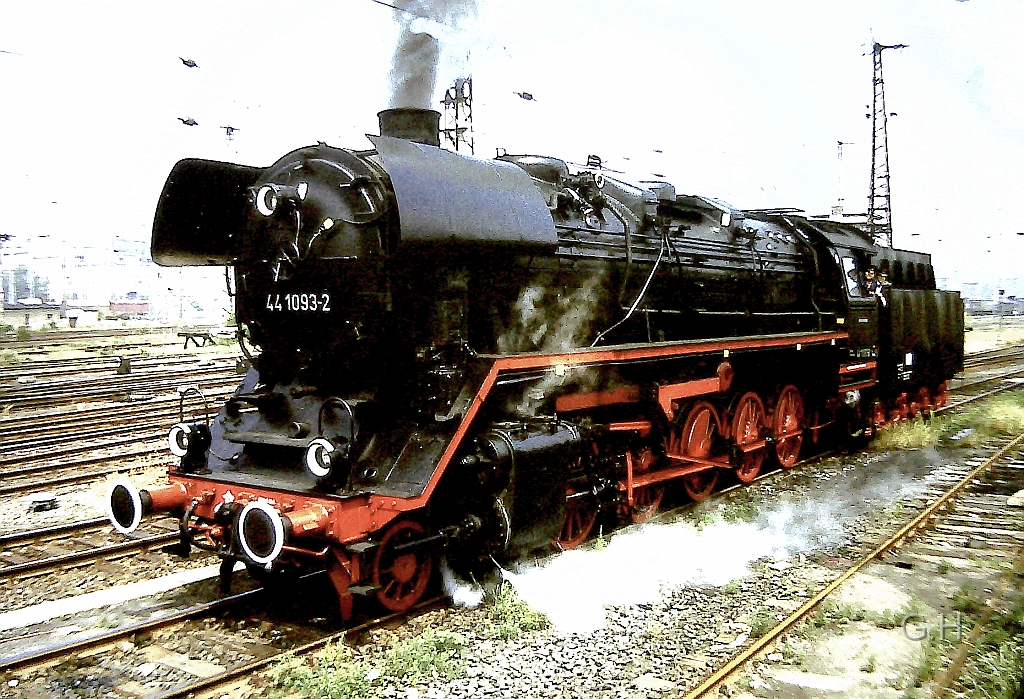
(987, 332)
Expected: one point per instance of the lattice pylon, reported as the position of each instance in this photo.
(879, 201)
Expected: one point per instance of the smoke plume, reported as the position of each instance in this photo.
(417, 54)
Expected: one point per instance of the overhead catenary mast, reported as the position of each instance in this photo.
(879, 210)
(458, 114)
(837, 209)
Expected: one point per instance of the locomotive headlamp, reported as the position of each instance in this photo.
(318, 457)
(189, 442)
(178, 439)
(265, 200)
(267, 197)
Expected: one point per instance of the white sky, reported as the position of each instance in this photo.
(746, 100)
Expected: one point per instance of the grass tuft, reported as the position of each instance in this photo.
(332, 674)
(336, 672)
(995, 669)
(742, 507)
(999, 415)
(965, 601)
(915, 434)
(432, 653)
(511, 617)
(762, 621)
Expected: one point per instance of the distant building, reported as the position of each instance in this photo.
(128, 310)
(34, 314)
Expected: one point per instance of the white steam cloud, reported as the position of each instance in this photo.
(552, 319)
(462, 593)
(636, 566)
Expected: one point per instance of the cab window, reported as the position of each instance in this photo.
(852, 276)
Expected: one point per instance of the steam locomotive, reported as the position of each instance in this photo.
(476, 358)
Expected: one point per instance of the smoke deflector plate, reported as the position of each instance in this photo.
(443, 196)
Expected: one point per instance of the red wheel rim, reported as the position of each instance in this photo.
(878, 417)
(646, 500)
(941, 395)
(696, 440)
(899, 413)
(699, 485)
(924, 397)
(580, 515)
(787, 420)
(402, 577)
(746, 429)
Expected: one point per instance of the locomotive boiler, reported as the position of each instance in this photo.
(482, 357)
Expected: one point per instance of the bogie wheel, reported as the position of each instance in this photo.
(786, 423)
(941, 395)
(696, 439)
(747, 423)
(646, 500)
(401, 576)
(580, 515)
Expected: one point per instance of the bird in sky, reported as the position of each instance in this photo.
(230, 130)
(526, 96)
(188, 121)
(189, 62)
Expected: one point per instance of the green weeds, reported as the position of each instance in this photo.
(1000, 415)
(742, 507)
(732, 587)
(762, 621)
(965, 601)
(431, 653)
(333, 674)
(510, 617)
(995, 668)
(336, 673)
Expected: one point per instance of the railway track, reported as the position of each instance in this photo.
(61, 546)
(65, 423)
(70, 392)
(931, 503)
(62, 337)
(993, 356)
(236, 621)
(100, 366)
(965, 519)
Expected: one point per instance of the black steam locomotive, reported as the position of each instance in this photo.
(481, 357)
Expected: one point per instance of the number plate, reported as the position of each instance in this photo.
(299, 303)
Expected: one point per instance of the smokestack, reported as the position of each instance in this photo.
(420, 125)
